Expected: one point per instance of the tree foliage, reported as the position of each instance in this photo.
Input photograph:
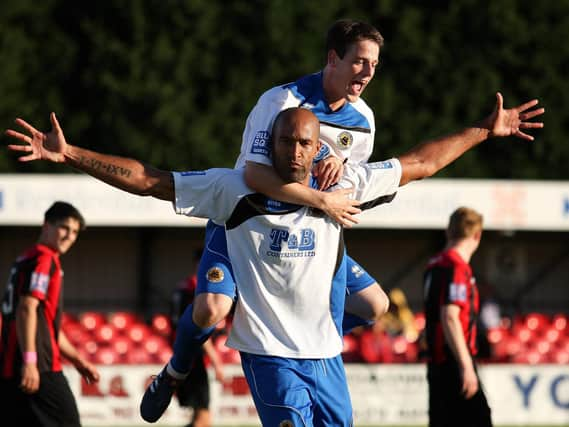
(171, 82)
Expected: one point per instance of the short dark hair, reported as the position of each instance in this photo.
(63, 210)
(345, 32)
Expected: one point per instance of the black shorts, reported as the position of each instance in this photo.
(53, 404)
(194, 391)
(447, 406)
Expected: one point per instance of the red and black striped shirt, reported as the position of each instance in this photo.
(448, 280)
(36, 273)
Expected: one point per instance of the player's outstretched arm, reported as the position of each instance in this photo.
(126, 174)
(336, 204)
(429, 157)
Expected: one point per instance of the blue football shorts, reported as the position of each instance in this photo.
(298, 392)
(215, 274)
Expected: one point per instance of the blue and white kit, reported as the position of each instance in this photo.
(289, 264)
(347, 133)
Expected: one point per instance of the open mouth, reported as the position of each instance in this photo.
(357, 86)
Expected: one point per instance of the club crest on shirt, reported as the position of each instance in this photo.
(344, 140)
(214, 275)
(286, 423)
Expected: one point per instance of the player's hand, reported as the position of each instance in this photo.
(514, 121)
(469, 382)
(87, 370)
(328, 171)
(30, 378)
(340, 207)
(39, 145)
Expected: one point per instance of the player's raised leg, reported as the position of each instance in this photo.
(215, 294)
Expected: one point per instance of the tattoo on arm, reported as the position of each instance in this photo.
(97, 165)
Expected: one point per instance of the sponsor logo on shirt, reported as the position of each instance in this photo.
(214, 275)
(261, 143)
(387, 164)
(357, 271)
(284, 244)
(457, 292)
(39, 282)
(344, 140)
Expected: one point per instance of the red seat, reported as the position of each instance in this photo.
(163, 355)
(559, 322)
(122, 320)
(91, 320)
(121, 345)
(90, 348)
(536, 322)
(552, 334)
(560, 356)
(138, 356)
(495, 335)
(104, 334)
(542, 346)
(161, 325)
(106, 356)
(531, 357)
(563, 343)
(403, 350)
(154, 343)
(351, 349)
(375, 347)
(522, 334)
(507, 348)
(138, 332)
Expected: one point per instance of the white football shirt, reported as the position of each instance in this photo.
(347, 133)
(288, 260)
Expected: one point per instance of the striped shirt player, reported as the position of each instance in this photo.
(449, 280)
(36, 273)
(289, 264)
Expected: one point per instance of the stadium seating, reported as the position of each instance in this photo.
(123, 337)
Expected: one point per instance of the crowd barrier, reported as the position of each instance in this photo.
(381, 394)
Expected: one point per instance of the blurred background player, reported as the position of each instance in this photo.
(194, 391)
(399, 320)
(34, 390)
(451, 309)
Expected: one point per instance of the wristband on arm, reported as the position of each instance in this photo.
(30, 357)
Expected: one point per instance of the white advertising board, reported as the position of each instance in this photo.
(381, 394)
(506, 205)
